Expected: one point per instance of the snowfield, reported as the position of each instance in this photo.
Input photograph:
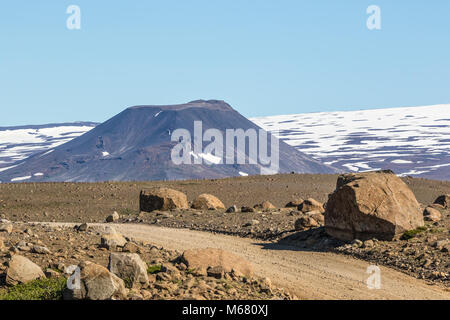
(411, 141)
(18, 143)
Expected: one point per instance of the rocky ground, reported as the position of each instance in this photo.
(423, 254)
(169, 278)
(92, 202)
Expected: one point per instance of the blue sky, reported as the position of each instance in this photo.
(263, 57)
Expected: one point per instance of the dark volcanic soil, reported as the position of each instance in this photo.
(89, 202)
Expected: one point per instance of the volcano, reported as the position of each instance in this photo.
(136, 145)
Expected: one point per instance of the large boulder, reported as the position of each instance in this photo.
(95, 283)
(444, 201)
(129, 267)
(311, 205)
(207, 202)
(201, 259)
(162, 199)
(22, 270)
(371, 205)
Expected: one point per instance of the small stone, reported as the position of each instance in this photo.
(40, 249)
(215, 272)
(82, 227)
(368, 244)
(232, 209)
(113, 217)
(6, 226)
(131, 247)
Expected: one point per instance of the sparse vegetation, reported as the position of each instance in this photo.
(41, 289)
(154, 269)
(412, 233)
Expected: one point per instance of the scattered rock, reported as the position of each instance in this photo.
(232, 209)
(311, 205)
(112, 217)
(265, 205)
(22, 270)
(247, 209)
(371, 205)
(2, 243)
(431, 214)
(294, 203)
(129, 267)
(162, 199)
(444, 201)
(6, 226)
(82, 227)
(96, 283)
(215, 272)
(50, 273)
(305, 222)
(207, 202)
(131, 247)
(112, 240)
(201, 259)
(40, 249)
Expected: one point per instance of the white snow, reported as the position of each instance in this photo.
(105, 153)
(208, 157)
(400, 161)
(20, 178)
(38, 174)
(157, 114)
(408, 135)
(18, 144)
(243, 174)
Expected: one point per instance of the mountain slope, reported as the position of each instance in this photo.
(136, 145)
(20, 142)
(411, 141)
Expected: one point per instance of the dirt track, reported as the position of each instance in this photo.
(310, 275)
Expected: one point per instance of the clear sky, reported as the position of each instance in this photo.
(263, 57)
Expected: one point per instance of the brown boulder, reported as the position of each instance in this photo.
(96, 283)
(311, 205)
(162, 199)
(207, 202)
(129, 267)
(201, 259)
(22, 270)
(444, 201)
(432, 214)
(371, 205)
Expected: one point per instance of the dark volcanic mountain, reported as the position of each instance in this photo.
(136, 145)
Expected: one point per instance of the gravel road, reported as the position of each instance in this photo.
(310, 275)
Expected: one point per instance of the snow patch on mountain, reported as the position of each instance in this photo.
(411, 141)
